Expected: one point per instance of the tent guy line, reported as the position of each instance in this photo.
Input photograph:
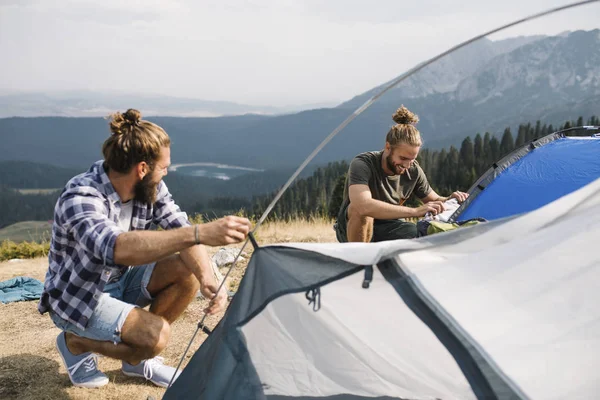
(355, 114)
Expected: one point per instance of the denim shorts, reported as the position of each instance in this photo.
(114, 305)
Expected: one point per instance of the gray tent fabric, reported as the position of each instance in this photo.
(226, 370)
(506, 309)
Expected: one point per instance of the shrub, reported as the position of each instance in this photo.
(10, 250)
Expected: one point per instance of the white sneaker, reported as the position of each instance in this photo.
(153, 370)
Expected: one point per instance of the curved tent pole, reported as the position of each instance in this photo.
(355, 114)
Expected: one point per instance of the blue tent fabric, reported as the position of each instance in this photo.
(541, 176)
(20, 288)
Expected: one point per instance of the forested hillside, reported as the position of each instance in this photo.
(318, 192)
(447, 170)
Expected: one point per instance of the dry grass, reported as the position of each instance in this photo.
(30, 367)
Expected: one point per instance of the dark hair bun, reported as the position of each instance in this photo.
(404, 116)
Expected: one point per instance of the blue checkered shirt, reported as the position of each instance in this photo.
(84, 233)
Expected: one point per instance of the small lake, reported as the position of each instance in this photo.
(212, 170)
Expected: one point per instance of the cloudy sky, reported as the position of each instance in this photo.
(260, 52)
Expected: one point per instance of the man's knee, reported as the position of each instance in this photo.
(182, 274)
(186, 278)
(147, 332)
(157, 339)
(394, 230)
(356, 217)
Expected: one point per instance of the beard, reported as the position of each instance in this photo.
(396, 169)
(145, 190)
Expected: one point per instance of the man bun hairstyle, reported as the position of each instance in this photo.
(132, 141)
(405, 130)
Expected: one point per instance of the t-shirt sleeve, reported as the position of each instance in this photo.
(422, 187)
(359, 172)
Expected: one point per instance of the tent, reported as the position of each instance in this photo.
(504, 309)
(534, 175)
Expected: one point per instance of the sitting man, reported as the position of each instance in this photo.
(107, 264)
(379, 183)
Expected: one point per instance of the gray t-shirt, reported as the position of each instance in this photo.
(365, 169)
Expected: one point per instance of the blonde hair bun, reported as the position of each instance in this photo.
(121, 123)
(133, 116)
(404, 116)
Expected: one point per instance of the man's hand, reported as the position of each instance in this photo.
(459, 196)
(224, 231)
(218, 303)
(434, 207)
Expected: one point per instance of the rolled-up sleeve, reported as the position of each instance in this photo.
(86, 217)
(166, 213)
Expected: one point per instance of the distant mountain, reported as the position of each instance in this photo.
(77, 142)
(547, 71)
(445, 75)
(94, 104)
(489, 87)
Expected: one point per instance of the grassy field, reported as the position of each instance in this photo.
(30, 231)
(30, 367)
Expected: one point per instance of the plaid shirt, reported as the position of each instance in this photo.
(84, 233)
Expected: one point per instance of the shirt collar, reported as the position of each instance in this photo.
(109, 189)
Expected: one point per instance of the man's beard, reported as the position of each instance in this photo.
(396, 170)
(145, 190)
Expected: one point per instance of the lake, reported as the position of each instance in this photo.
(211, 170)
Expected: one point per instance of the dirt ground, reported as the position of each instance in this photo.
(30, 367)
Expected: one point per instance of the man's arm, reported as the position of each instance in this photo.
(433, 196)
(143, 247)
(197, 260)
(363, 202)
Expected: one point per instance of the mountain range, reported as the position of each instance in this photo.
(82, 103)
(485, 87)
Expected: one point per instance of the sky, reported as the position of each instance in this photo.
(258, 52)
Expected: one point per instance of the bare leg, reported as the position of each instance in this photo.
(145, 334)
(173, 287)
(359, 228)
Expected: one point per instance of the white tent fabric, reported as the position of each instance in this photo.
(525, 293)
(347, 347)
(506, 309)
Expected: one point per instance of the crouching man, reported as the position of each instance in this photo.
(107, 263)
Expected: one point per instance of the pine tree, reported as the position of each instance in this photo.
(467, 153)
(494, 149)
(337, 196)
(478, 153)
(507, 144)
(521, 136)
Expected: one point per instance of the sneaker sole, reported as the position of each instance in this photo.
(89, 385)
(134, 375)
